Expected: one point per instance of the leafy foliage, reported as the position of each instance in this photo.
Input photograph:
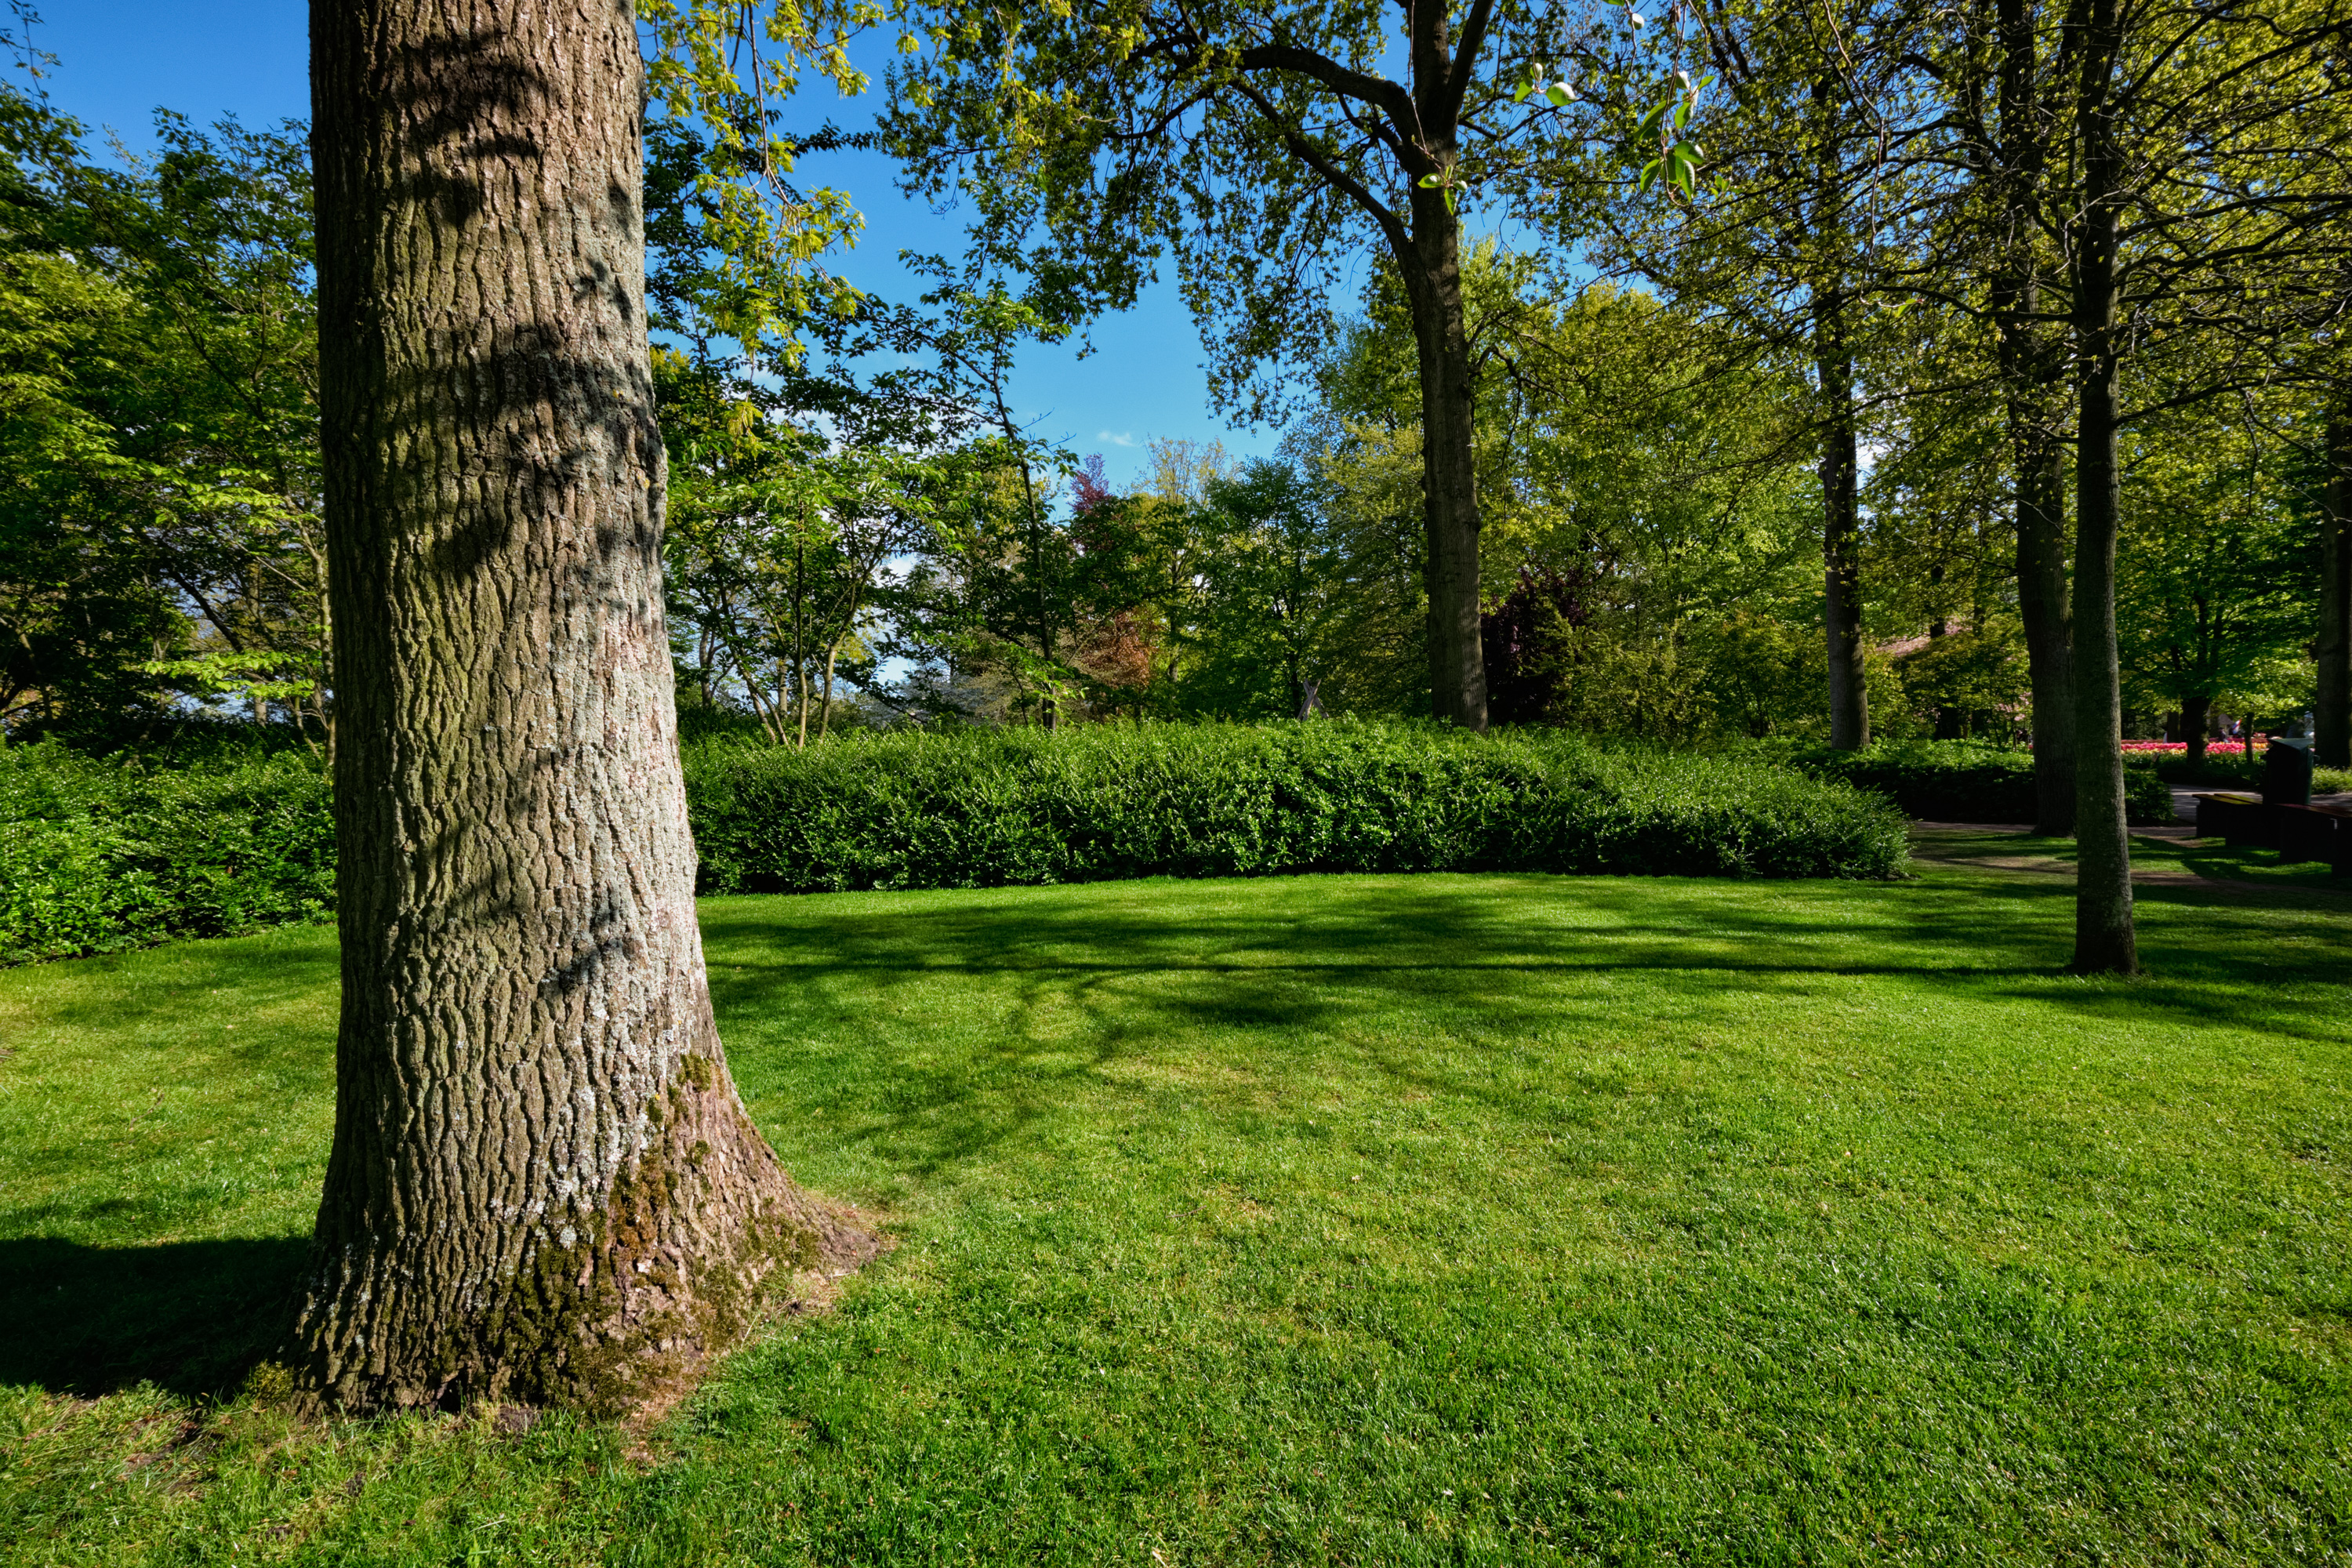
(101, 854)
(983, 808)
(158, 416)
(1957, 781)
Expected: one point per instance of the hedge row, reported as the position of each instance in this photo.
(1015, 806)
(1957, 781)
(98, 855)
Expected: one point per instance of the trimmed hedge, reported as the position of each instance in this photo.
(989, 809)
(99, 855)
(1958, 781)
(2234, 772)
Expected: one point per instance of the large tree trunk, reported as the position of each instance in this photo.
(1457, 669)
(543, 1188)
(2105, 942)
(2332, 705)
(1841, 527)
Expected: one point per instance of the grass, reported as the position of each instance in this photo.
(2153, 856)
(1381, 1220)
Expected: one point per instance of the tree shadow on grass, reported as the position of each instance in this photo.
(1072, 980)
(192, 1317)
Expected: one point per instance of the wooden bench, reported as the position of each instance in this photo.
(2314, 833)
(2240, 821)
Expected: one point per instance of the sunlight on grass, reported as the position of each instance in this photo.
(1369, 1219)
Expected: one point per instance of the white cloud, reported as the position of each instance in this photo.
(1122, 438)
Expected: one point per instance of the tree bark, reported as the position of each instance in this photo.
(2043, 600)
(1433, 269)
(2332, 704)
(2030, 367)
(2105, 942)
(543, 1188)
(1841, 530)
(2196, 714)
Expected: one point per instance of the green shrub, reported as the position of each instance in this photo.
(101, 854)
(2236, 772)
(98, 855)
(985, 808)
(1963, 781)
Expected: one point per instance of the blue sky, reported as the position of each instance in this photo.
(118, 60)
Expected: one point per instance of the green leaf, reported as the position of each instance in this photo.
(1560, 94)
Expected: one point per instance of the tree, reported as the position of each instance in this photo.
(1797, 234)
(543, 1187)
(79, 614)
(1277, 591)
(1994, 125)
(1261, 141)
(156, 337)
(2332, 701)
(217, 402)
(2212, 584)
(1644, 477)
(776, 548)
(2178, 231)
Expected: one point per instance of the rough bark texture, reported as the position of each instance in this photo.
(2031, 362)
(1841, 533)
(2105, 942)
(2332, 704)
(543, 1188)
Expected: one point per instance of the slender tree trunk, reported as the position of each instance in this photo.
(1841, 527)
(2105, 942)
(825, 717)
(2332, 705)
(2196, 714)
(543, 1188)
(1457, 668)
(2031, 368)
(2044, 604)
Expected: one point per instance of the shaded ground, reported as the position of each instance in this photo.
(1436, 1219)
(2161, 856)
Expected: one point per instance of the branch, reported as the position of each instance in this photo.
(1378, 91)
(1465, 59)
(1338, 179)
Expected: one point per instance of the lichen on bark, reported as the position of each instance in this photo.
(543, 1187)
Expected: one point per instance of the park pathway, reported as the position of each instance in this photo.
(2011, 846)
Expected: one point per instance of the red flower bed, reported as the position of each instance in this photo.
(2177, 748)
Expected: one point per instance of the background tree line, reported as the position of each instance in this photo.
(1655, 462)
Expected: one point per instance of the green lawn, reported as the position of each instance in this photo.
(1362, 1219)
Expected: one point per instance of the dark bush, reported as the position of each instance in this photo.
(1959, 781)
(986, 808)
(2234, 773)
(101, 854)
